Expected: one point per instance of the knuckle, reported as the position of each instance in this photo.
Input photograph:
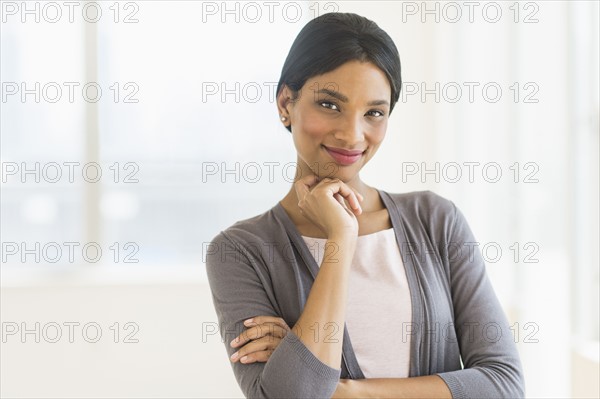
(263, 340)
(253, 333)
(258, 331)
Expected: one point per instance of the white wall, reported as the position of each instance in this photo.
(178, 353)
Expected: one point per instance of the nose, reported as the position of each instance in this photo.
(351, 131)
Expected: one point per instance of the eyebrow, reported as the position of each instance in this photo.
(344, 98)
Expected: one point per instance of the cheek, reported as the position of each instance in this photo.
(312, 125)
(378, 133)
(375, 139)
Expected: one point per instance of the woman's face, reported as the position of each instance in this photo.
(339, 119)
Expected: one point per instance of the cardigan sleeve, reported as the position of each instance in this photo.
(238, 293)
(492, 368)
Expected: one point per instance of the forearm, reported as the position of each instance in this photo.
(325, 307)
(431, 386)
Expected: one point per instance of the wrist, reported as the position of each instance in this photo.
(342, 244)
(348, 389)
(346, 236)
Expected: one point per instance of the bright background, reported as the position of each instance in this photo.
(187, 92)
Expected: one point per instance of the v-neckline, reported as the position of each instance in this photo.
(348, 355)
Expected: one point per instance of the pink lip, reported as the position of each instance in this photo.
(343, 156)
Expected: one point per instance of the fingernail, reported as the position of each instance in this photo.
(234, 341)
(246, 322)
(234, 356)
(244, 359)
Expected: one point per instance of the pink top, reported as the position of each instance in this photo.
(377, 326)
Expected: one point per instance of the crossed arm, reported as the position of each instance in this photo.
(430, 386)
(264, 334)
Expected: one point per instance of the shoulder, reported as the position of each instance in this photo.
(264, 227)
(425, 208)
(423, 202)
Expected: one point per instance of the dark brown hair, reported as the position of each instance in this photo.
(329, 41)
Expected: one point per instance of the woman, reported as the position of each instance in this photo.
(381, 289)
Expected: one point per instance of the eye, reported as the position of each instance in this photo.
(329, 105)
(381, 113)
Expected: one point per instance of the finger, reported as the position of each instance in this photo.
(359, 195)
(258, 331)
(262, 344)
(340, 199)
(304, 185)
(339, 187)
(257, 357)
(269, 319)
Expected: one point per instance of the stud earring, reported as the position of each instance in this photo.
(283, 119)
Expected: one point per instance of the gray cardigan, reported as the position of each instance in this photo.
(262, 266)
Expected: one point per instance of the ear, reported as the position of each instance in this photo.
(284, 103)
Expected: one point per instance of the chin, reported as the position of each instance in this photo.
(334, 171)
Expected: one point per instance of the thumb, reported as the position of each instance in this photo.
(304, 184)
